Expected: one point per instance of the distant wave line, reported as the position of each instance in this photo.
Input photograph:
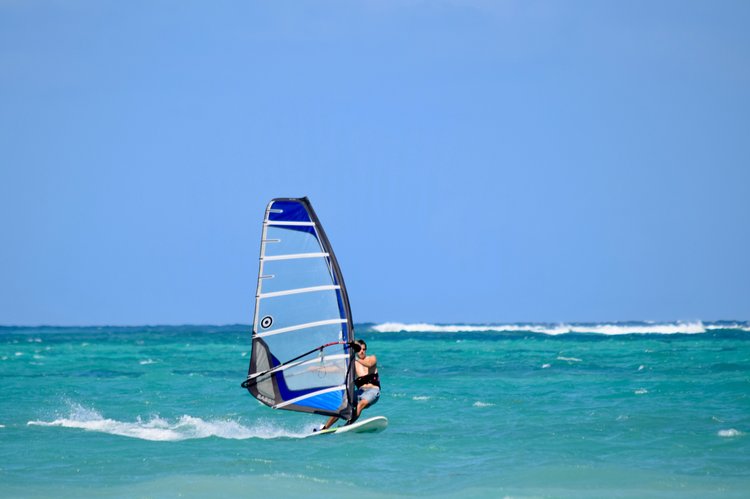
(695, 327)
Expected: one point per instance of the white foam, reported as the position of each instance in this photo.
(554, 329)
(735, 325)
(421, 397)
(731, 432)
(479, 403)
(569, 359)
(641, 391)
(147, 362)
(159, 429)
(545, 366)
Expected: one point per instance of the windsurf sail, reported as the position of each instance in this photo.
(301, 355)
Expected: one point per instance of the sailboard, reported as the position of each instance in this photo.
(370, 425)
(301, 356)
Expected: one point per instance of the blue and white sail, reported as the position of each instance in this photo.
(301, 359)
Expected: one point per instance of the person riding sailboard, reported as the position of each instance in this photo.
(367, 382)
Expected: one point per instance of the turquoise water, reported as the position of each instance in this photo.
(474, 411)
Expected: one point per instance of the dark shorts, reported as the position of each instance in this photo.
(371, 395)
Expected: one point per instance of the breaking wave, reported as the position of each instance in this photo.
(696, 327)
(731, 432)
(165, 430)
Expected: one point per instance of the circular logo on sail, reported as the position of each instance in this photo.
(266, 322)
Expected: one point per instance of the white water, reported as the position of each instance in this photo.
(696, 327)
(159, 429)
(731, 432)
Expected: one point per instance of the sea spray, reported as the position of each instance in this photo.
(156, 428)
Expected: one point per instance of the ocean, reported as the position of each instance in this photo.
(518, 410)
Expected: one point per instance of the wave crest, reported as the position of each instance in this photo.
(159, 429)
(696, 327)
(731, 432)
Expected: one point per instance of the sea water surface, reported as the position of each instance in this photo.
(519, 410)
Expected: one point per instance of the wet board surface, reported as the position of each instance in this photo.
(369, 425)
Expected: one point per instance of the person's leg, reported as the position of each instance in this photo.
(368, 398)
(329, 423)
(361, 406)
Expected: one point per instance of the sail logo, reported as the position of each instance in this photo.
(265, 399)
(266, 322)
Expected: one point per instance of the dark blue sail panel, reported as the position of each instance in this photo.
(288, 211)
(300, 360)
(330, 401)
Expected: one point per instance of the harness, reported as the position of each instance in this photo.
(368, 379)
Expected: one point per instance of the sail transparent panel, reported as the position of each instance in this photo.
(296, 273)
(297, 309)
(284, 240)
(290, 344)
(317, 373)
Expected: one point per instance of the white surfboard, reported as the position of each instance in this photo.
(369, 425)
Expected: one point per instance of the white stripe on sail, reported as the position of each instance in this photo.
(301, 326)
(293, 256)
(298, 290)
(283, 222)
(319, 392)
(316, 360)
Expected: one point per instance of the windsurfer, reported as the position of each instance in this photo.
(367, 381)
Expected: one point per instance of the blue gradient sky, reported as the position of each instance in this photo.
(472, 161)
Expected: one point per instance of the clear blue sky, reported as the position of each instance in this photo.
(472, 161)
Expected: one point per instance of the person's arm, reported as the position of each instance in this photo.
(368, 361)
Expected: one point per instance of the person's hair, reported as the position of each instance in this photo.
(361, 343)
